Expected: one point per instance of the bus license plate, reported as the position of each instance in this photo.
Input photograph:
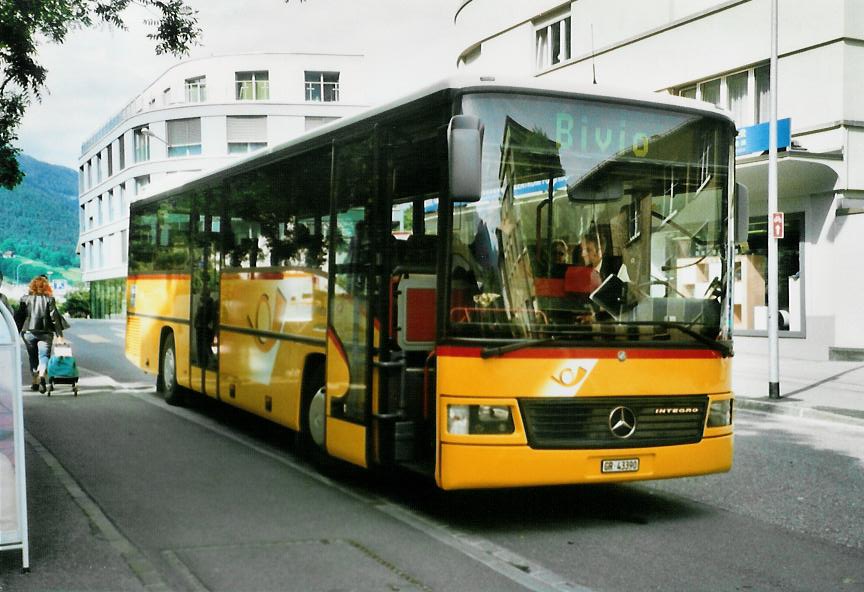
(623, 465)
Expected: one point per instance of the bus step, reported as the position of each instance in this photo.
(404, 441)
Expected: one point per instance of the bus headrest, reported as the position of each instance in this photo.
(580, 279)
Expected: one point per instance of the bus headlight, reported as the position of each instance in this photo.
(720, 414)
(479, 419)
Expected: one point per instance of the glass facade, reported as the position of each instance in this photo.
(107, 298)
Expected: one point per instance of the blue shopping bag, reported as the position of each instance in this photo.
(62, 367)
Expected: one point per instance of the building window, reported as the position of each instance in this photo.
(737, 96)
(710, 91)
(184, 137)
(141, 183)
(124, 246)
(763, 86)
(142, 145)
(123, 200)
(99, 168)
(322, 86)
(744, 94)
(196, 89)
(313, 122)
(552, 43)
(121, 149)
(246, 133)
(252, 86)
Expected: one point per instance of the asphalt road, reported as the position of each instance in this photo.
(205, 498)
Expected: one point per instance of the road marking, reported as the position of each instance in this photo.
(515, 567)
(499, 559)
(135, 559)
(181, 568)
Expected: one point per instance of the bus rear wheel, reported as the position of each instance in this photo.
(173, 392)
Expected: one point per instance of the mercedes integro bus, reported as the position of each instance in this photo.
(495, 283)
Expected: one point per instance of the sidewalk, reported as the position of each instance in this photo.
(825, 390)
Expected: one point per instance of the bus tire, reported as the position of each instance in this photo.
(173, 392)
(310, 439)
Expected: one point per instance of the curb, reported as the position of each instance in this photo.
(793, 410)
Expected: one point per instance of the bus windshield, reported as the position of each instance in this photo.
(597, 221)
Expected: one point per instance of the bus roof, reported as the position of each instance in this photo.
(459, 84)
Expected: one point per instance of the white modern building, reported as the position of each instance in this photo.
(198, 115)
(718, 51)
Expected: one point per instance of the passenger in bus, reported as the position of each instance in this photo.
(594, 255)
(560, 252)
(206, 321)
(560, 258)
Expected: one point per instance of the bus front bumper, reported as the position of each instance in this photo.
(470, 466)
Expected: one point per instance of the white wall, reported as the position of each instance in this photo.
(285, 110)
(660, 44)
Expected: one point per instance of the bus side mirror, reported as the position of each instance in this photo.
(464, 144)
(742, 212)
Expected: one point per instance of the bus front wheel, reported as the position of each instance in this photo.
(315, 418)
(312, 414)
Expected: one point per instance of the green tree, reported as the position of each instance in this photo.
(24, 22)
(77, 304)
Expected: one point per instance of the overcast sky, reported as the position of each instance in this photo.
(407, 44)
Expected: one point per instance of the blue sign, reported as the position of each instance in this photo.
(754, 138)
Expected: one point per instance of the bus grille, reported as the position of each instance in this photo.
(585, 422)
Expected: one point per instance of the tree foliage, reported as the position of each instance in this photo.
(39, 218)
(77, 304)
(24, 23)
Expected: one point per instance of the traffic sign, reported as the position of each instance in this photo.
(777, 225)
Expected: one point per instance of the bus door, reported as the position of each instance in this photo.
(204, 309)
(351, 329)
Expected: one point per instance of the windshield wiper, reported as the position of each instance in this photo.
(720, 346)
(494, 352)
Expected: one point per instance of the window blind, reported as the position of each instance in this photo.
(247, 128)
(184, 131)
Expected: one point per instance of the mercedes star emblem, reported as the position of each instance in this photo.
(622, 422)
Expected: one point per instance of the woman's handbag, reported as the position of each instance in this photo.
(21, 315)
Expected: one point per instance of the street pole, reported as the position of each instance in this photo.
(773, 325)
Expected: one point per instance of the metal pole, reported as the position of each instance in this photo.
(773, 330)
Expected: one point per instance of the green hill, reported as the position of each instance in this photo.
(39, 219)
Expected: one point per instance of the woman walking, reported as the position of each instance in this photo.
(41, 321)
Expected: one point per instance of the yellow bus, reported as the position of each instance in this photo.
(495, 283)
